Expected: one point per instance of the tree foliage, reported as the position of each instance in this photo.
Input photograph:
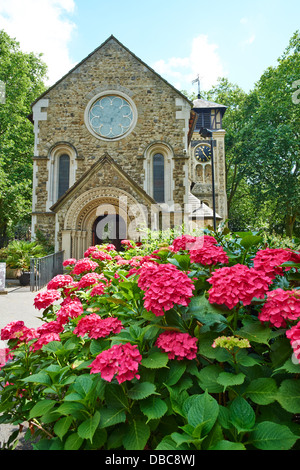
(22, 75)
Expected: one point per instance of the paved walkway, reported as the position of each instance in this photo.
(17, 304)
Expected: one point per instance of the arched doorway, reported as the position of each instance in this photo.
(109, 228)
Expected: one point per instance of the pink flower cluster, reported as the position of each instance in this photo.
(177, 345)
(269, 260)
(238, 283)
(96, 327)
(164, 286)
(70, 308)
(190, 242)
(90, 279)
(17, 330)
(294, 336)
(46, 298)
(70, 262)
(121, 360)
(209, 255)
(84, 265)
(280, 306)
(44, 334)
(60, 281)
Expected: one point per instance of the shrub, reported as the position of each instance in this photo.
(149, 350)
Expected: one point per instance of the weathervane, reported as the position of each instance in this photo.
(197, 80)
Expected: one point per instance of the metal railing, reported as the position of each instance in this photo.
(42, 270)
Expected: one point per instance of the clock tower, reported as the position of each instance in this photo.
(207, 146)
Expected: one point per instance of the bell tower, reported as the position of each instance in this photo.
(207, 160)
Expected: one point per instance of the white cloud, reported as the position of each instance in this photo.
(203, 60)
(41, 26)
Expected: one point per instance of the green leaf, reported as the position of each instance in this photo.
(111, 416)
(62, 426)
(39, 378)
(83, 385)
(229, 380)
(251, 240)
(115, 396)
(153, 407)
(289, 395)
(272, 436)
(73, 442)
(208, 377)
(241, 415)
(262, 391)
(203, 409)
(137, 436)
(255, 332)
(141, 390)
(177, 369)
(41, 408)
(208, 314)
(228, 445)
(69, 408)
(87, 429)
(167, 443)
(155, 360)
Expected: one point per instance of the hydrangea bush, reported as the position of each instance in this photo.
(190, 344)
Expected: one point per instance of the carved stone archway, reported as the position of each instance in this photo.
(77, 235)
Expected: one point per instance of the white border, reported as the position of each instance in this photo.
(115, 93)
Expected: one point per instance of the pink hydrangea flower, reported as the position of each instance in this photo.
(50, 327)
(238, 283)
(177, 345)
(110, 247)
(85, 265)
(96, 327)
(59, 281)
(101, 255)
(70, 262)
(280, 306)
(46, 298)
(89, 279)
(71, 309)
(164, 286)
(90, 250)
(121, 360)
(98, 289)
(18, 330)
(209, 255)
(294, 336)
(269, 260)
(10, 329)
(189, 242)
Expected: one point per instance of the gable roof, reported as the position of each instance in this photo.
(112, 37)
(106, 158)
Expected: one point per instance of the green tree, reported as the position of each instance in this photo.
(22, 75)
(270, 145)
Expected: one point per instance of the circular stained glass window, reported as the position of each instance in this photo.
(111, 116)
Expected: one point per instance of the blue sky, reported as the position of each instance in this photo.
(179, 39)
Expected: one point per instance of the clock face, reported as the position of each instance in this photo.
(111, 116)
(203, 153)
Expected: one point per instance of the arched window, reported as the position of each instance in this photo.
(158, 177)
(63, 174)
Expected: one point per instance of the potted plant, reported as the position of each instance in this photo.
(18, 254)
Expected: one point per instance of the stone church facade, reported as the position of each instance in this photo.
(117, 150)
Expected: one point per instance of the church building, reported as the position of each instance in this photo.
(118, 149)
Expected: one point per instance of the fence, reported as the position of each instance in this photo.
(42, 270)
